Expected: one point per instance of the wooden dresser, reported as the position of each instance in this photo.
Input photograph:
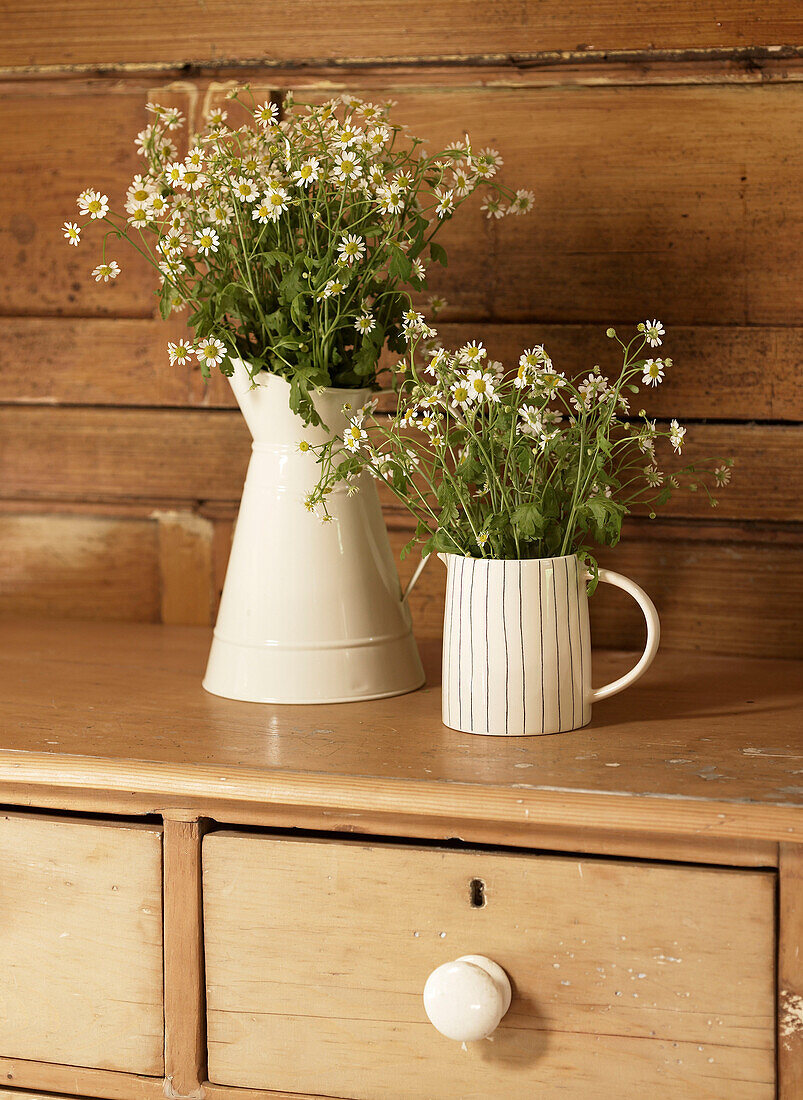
(202, 898)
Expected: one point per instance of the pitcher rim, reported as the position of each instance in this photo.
(496, 561)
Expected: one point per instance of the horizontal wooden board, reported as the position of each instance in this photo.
(72, 566)
(680, 202)
(146, 32)
(718, 588)
(723, 588)
(54, 146)
(201, 455)
(718, 372)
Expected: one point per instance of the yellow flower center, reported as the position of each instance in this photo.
(460, 393)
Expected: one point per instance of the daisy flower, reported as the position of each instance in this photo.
(266, 115)
(365, 323)
(139, 191)
(331, 290)
(143, 140)
(444, 201)
(156, 206)
(93, 204)
(402, 180)
(172, 118)
(350, 249)
(676, 434)
(180, 352)
(487, 163)
(550, 381)
(245, 190)
(493, 208)
(481, 386)
(463, 182)
(653, 476)
(376, 176)
(472, 353)
(389, 199)
(308, 173)
(139, 215)
(216, 117)
(436, 361)
(376, 138)
(408, 417)
(220, 213)
(72, 232)
(461, 394)
(192, 179)
(482, 538)
(210, 352)
(653, 372)
(105, 272)
(262, 211)
(436, 304)
(419, 271)
(172, 243)
(534, 357)
(194, 159)
(206, 240)
(653, 331)
(523, 202)
(354, 437)
(722, 475)
(173, 173)
(347, 168)
(347, 135)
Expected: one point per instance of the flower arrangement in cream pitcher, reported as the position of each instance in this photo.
(295, 237)
(514, 478)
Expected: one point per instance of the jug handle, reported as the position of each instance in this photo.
(653, 634)
(414, 579)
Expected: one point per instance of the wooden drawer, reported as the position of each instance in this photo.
(630, 979)
(81, 943)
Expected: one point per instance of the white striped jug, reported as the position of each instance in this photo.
(517, 645)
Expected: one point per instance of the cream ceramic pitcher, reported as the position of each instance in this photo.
(517, 645)
(310, 612)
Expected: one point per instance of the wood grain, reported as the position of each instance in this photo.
(110, 454)
(714, 245)
(81, 947)
(293, 1004)
(119, 361)
(54, 146)
(714, 747)
(185, 1006)
(144, 33)
(790, 973)
(79, 567)
(75, 1081)
(710, 244)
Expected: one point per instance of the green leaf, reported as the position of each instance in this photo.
(528, 520)
(400, 264)
(438, 254)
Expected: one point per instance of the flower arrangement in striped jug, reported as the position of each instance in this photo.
(515, 478)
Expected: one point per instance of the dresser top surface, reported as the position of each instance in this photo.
(85, 702)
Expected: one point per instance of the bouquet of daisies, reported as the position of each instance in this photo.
(294, 237)
(521, 464)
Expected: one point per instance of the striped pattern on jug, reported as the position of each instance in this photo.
(516, 646)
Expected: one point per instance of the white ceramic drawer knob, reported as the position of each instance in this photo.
(467, 998)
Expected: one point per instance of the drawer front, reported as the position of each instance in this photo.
(81, 943)
(628, 979)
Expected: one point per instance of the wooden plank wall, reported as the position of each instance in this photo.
(663, 144)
